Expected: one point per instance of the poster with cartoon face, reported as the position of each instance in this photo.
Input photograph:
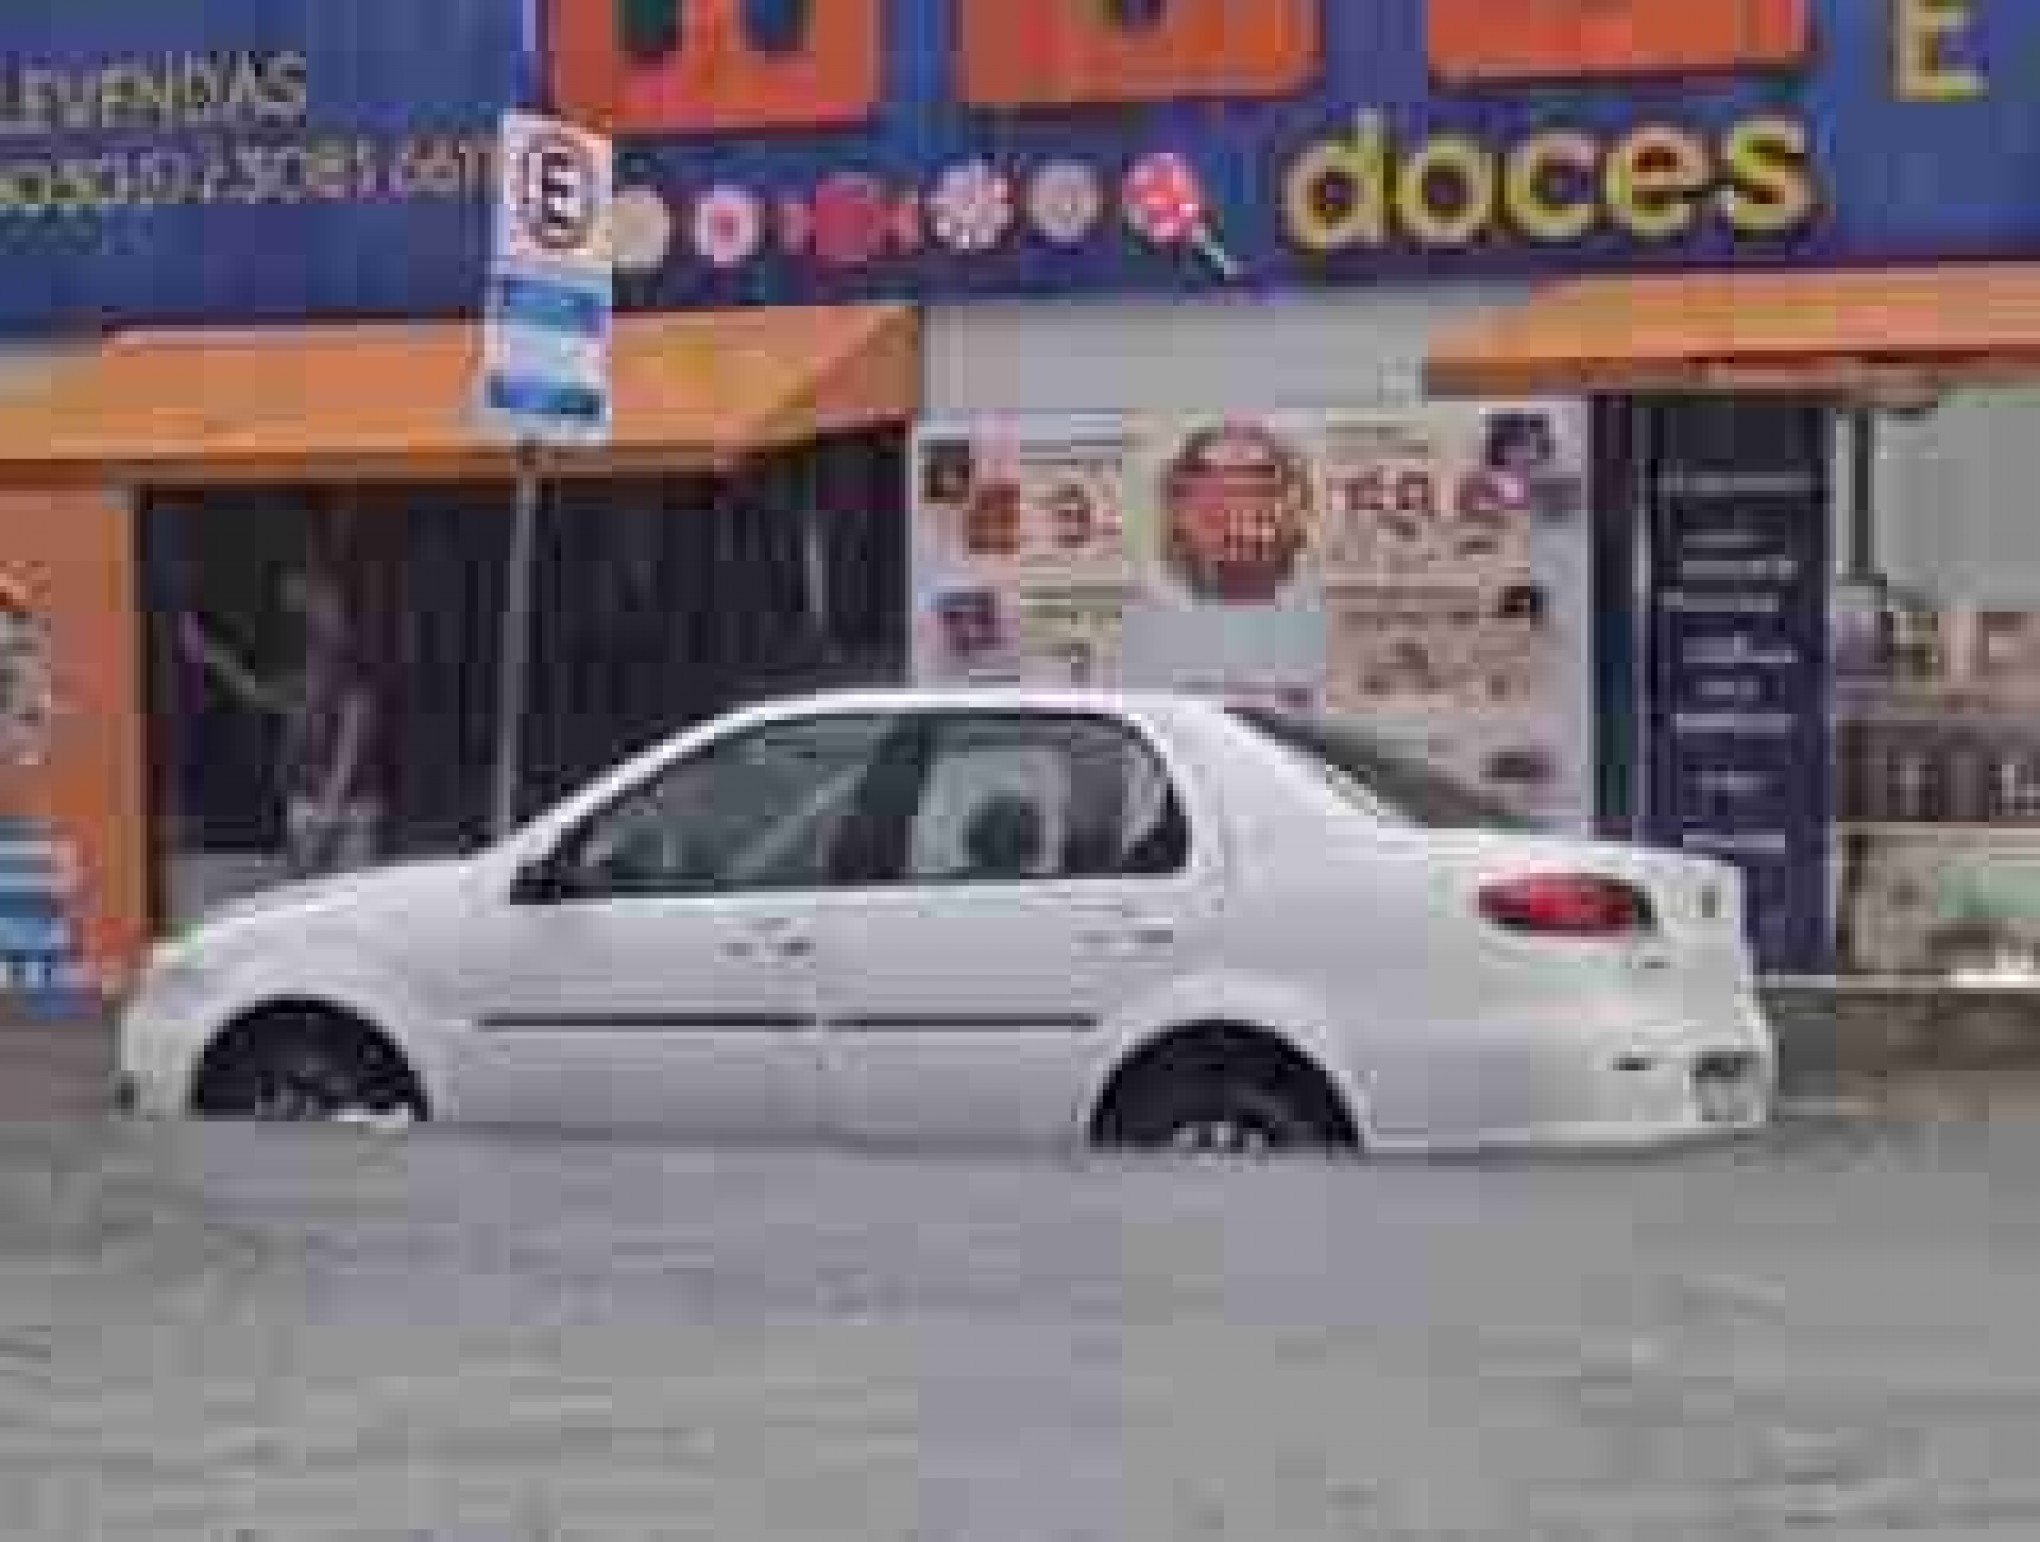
(1229, 601)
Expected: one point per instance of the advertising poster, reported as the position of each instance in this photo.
(72, 898)
(1231, 600)
(1427, 570)
(1738, 747)
(1025, 551)
(1457, 566)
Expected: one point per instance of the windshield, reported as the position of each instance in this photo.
(1371, 772)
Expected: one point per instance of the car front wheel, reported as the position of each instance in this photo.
(304, 1068)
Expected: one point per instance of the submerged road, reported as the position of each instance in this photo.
(233, 1333)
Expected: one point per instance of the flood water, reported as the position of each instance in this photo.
(219, 1333)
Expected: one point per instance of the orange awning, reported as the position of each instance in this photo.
(1900, 330)
(385, 401)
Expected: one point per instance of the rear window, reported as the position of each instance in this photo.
(1363, 766)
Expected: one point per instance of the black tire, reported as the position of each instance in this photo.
(304, 1067)
(1222, 1113)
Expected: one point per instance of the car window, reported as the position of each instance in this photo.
(1017, 797)
(766, 809)
(1375, 776)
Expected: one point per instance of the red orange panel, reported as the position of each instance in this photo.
(1067, 53)
(715, 77)
(1503, 40)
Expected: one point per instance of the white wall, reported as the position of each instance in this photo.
(1352, 347)
(1958, 499)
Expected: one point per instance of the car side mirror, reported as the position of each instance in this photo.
(541, 881)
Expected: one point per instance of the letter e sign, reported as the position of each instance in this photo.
(714, 66)
(556, 195)
(1068, 53)
(1474, 41)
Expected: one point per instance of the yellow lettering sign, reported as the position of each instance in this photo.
(1771, 190)
(1541, 206)
(1337, 193)
(1926, 40)
(1656, 177)
(1657, 183)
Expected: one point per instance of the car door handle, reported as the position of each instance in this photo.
(771, 939)
(790, 948)
(1132, 932)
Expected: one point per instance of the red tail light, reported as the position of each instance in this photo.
(1568, 905)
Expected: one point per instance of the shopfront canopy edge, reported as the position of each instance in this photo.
(1870, 333)
(394, 401)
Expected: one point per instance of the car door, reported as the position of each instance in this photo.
(1050, 881)
(661, 972)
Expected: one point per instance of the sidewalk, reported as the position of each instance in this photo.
(1867, 1037)
(63, 1072)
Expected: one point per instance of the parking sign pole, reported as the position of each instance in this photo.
(514, 659)
(545, 376)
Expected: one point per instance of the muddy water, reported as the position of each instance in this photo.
(229, 1333)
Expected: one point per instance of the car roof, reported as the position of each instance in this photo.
(977, 698)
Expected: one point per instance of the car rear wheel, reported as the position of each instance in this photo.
(1217, 1113)
(304, 1067)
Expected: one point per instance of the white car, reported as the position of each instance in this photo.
(994, 917)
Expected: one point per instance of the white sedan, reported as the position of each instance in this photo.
(992, 917)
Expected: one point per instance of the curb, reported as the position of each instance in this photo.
(55, 1071)
(1832, 1040)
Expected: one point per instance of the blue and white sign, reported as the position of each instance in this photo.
(1740, 764)
(248, 162)
(545, 354)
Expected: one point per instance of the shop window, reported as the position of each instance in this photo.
(1062, 53)
(1937, 694)
(710, 66)
(274, 615)
(1488, 40)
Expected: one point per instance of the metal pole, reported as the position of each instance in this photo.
(1861, 560)
(514, 659)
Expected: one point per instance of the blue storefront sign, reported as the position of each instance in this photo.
(1887, 130)
(1737, 749)
(248, 160)
(192, 160)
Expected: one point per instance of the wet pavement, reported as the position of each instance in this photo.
(232, 1333)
